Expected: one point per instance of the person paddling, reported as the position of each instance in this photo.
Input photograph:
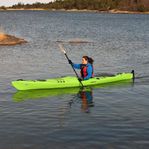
(86, 68)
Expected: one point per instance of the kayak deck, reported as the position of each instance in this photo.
(69, 81)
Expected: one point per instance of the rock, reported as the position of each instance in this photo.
(75, 41)
(8, 40)
(78, 41)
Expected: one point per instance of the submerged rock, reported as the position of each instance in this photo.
(8, 40)
(78, 41)
(75, 41)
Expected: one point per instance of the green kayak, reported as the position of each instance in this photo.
(20, 96)
(69, 81)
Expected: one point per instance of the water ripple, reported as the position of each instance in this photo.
(117, 117)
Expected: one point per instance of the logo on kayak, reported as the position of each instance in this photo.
(60, 81)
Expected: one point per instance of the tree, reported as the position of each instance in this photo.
(139, 5)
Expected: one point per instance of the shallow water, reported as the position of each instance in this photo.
(115, 116)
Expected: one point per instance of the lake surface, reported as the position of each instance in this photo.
(113, 116)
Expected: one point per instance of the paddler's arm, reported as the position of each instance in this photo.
(76, 66)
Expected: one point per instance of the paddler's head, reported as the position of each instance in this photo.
(85, 60)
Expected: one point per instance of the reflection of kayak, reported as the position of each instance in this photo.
(40, 94)
(37, 94)
(67, 82)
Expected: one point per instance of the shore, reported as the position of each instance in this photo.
(9, 40)
(113, 11)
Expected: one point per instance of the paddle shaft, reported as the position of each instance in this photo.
(62, 49)
(71, 65)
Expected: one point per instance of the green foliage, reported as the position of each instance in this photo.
(141, 8)
(3, 8)
(90, 5)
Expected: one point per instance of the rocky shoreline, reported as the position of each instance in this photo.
(9, 40)
(113, 11)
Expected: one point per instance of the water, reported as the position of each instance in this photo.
(114, 116)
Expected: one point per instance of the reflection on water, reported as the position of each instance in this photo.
(119, 43)
(83, 96)
(40, 94)
(87, 100)
(86, 97)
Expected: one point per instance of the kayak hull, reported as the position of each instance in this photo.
(69, 81)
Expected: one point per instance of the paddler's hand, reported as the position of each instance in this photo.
(70, 62)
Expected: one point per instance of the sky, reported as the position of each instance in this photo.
(12, 2)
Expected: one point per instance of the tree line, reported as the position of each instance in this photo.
(99, 5)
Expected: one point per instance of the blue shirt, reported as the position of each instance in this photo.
(89, 69)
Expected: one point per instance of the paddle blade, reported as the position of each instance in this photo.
(62, 48)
